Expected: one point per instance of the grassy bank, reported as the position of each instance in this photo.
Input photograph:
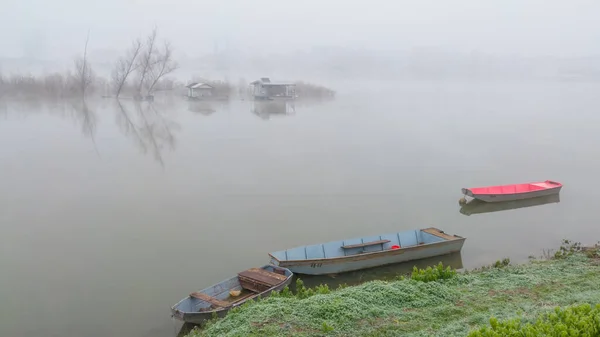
(429, 303)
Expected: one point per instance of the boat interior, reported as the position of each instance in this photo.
(245, 285)
(370, 244)
(515, 188)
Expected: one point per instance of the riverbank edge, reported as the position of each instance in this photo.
(407, 307)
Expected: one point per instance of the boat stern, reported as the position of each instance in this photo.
(180, 315)
(180, 309)
(281, 271)
(466, 191)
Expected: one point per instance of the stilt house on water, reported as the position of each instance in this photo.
(265, 89)
(200, 90)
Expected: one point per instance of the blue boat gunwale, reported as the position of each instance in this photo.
(369, 254)
(233, 304)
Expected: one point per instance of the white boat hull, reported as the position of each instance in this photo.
(512, 196)
(371, 260)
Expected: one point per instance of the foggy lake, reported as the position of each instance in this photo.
(112, 213)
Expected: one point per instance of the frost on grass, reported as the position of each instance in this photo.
(446, 307)
(342, 308)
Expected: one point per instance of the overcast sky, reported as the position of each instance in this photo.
(57, 28)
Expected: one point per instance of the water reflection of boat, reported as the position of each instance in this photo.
(388, 272)
(476, 206)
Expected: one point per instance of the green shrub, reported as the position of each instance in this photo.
(577, 321)
(322, 289)
(285, 292)
(302, 291)
(504, 263)
(342, 286)
(326, 327)
(432, 274)
(568, 248)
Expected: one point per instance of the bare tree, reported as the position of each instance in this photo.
(164, 65)
(147, 59)
(83, 70)
(125, 66)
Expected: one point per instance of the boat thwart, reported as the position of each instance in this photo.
(367, 252)
(218, 299)
(514, 191)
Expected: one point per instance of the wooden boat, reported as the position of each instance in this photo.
(514, 191)
(367, 252)
(476, 206)
(220, 298)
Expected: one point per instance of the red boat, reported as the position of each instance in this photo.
(513, 192)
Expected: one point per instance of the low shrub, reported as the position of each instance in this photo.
(568, 248)
(502, 263)
(432, 274)
(577, 321)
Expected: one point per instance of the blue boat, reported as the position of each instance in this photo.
(367, 252)
(218, 299)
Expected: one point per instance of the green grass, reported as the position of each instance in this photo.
(430, 303)
(581, 320)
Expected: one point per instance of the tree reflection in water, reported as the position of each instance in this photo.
(144, 122)
(87, 118)
(149, 128)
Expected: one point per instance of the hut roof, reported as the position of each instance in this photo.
(201, 85)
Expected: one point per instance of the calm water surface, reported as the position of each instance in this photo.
(110, 214)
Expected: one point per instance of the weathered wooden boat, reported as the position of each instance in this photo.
(513, 192)
(367, 252)
(220, 298)
(476, 206)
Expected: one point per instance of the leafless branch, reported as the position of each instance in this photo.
(83, 69)
(125, 66)
(147, 59)
(165, 65)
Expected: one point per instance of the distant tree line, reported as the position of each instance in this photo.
(139, 72)
(309, 90)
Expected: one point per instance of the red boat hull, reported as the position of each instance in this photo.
(514, 192)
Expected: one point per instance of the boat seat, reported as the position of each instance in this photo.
(263, 276)
(259, 280)
(209, 299)
(366, 244)
(439, 233)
